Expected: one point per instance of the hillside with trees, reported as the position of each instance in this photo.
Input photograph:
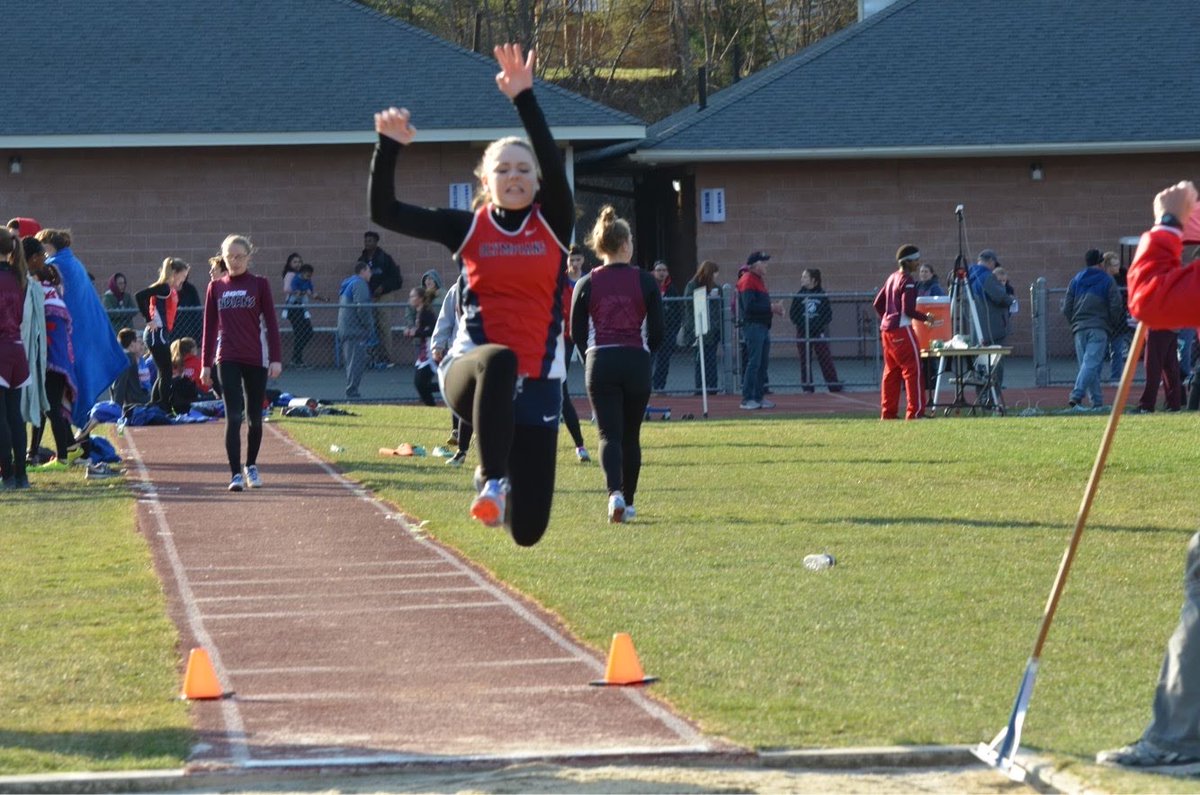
(641, 56)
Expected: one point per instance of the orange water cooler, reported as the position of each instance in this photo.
(938, 308)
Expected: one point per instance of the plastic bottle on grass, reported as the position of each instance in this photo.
(819, 562)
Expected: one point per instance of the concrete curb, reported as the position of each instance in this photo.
(1041, 773)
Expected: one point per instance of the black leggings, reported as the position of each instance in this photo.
(245, 387)
(12, 434)
(302, 333)
(160, 393)
(60, 426)
(424, 379)
(570, 417)
(481, 388)
(618, 384)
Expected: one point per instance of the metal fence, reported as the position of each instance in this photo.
(312, 359)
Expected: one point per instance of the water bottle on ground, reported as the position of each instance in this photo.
(819, 562)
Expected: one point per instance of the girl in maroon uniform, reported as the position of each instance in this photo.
(158, 304)
(616, 322)
(241, 336)
(504, 369)
(14, 366)
(896, 305)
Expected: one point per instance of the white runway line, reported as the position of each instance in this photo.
(235, 727)
(353, 611)
(323, 565)
(680, 728)
(349, 578)
(275, 597)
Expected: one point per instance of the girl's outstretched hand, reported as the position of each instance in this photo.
(393, 123)
(516, 70)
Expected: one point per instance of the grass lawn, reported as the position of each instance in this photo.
(87, 655)
(948, 535)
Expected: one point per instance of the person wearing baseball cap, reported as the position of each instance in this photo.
(756, 311)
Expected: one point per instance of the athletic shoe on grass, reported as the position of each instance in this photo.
(101, 471)
(1144, 753)
(630, 513)
(54, 465)
(442, 452)
(237, 483)
(489, 506)
(582, 454)
(457, 459)
(616, 507)
(252, 478)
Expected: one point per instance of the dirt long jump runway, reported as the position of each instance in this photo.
(344, 638)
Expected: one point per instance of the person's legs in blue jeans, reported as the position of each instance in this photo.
(753, 334)
(1095, 345)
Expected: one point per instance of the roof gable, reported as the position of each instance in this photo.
(268, 67)
(984, 76)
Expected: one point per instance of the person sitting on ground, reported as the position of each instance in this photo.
(127, 392)
(186, 388)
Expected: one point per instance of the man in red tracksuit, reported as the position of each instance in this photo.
(896, 305)
(1163, 294)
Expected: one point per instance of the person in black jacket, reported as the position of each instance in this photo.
(812, 314)
(616, 323)
(385, 280)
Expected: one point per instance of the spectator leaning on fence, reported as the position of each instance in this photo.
(811, 313)
(662, 356)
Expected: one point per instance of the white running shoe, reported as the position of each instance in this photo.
(616, 507)
(252, 478)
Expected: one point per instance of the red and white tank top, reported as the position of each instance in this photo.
(513, 292)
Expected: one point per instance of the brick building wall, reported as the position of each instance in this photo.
(848, 217)
(127, 209)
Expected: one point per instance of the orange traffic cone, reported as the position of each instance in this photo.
(624, 668)
(200, 680)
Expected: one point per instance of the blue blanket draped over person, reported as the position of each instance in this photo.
(98, 356)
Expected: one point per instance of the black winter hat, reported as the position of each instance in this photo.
(1093, 257)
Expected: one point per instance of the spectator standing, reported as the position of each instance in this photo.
(927, 282)
(1094, 309)
(189, 315)
(896, 305)
(59, 376)
(385, 280)
(14, 365)
(159, 304)
(1165, 294)
(993, 303)
(241, 338)
(617, 323)
(118, 302)
(503, 372)
(1161, 363)
(756, 311)
(704, 279)
(91, 330)
(356, 325)
(443, 335)
(570, 417)
(293, 308)
(811, 313)
(302, 294)
(662, 356)
(421, 302)
(1122, 335)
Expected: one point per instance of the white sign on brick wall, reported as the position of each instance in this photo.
(712, 205)
(460, 196)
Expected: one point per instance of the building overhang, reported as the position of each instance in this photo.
(564, 134)
(673, 156)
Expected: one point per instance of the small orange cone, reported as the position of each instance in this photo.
(624, 668)
(200, 680)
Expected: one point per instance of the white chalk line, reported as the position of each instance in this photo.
(235, 727)
(675, 724)
(323, 595)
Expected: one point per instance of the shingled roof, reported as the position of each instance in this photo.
(963, 78)
(211, 72)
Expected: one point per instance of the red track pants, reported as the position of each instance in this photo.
(901, 362)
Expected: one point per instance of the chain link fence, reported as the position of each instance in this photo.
(848, 356)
